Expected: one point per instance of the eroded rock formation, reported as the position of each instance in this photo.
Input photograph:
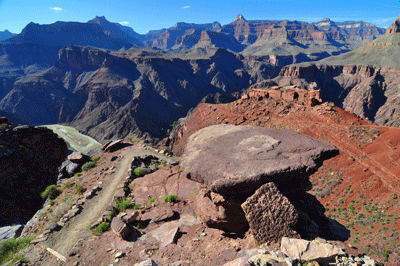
(261, 174)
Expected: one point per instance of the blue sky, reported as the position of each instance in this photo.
(145, 15)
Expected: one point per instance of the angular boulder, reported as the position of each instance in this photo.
(78, 158)
(304, 250)
(270, 215)
(239, 159)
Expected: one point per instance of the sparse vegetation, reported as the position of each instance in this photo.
(66, 184)
(123, 204)
(140, 171)
(50, 192)
(89, 165)
(170, 198)
(151, 201)
(180, 170)
(9, 248)
(79, 189)
(129, 138)
(101, 228)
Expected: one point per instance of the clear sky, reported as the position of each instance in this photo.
(145, 15)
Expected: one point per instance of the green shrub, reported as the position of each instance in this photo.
(151, 201)
(101, 228)
(10, 247)
(95, 158)
(170, 198)
(66, 184)
(140, 171)
(89, 165)
(123, 204)
(394, 196)
(79, 189)
(51, 203)
(180, 170)
(78, 174)
(50, 192)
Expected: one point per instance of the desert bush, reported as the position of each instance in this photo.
(101, 228)
(151, 201)
(10, 247)
(170, 198)
(66, 184)
(140, 171)
(89, 165)
(50, 192)
(79, 189)
(95, 158)
(123, 204)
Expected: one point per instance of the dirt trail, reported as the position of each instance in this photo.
(77, 228)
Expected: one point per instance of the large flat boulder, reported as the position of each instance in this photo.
(239, 159)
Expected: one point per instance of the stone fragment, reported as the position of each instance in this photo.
(159, 213)
(171, 238)
(270, 214)
(148, 262)
(119, 255)
(120, 228)
(304, 250)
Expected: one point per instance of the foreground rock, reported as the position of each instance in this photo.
(29, 161)
(270, 214)
(258, 177)
(239, 159)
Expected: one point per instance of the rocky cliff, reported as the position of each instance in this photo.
(367, 91)
(364, 81)
(114, 94)
(29, 161)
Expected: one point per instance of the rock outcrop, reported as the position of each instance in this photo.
(227, 158)
(261, 176)
(395, 27)
(29, 161)
(286, 94)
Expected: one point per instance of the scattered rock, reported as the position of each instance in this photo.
(119, 255)
(120, 228)
(304, 250)
(159, 213)
(148, 262)
(52, 227)
(119, 194)
(170, 238)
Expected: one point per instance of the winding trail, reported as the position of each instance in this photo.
(78, 227)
